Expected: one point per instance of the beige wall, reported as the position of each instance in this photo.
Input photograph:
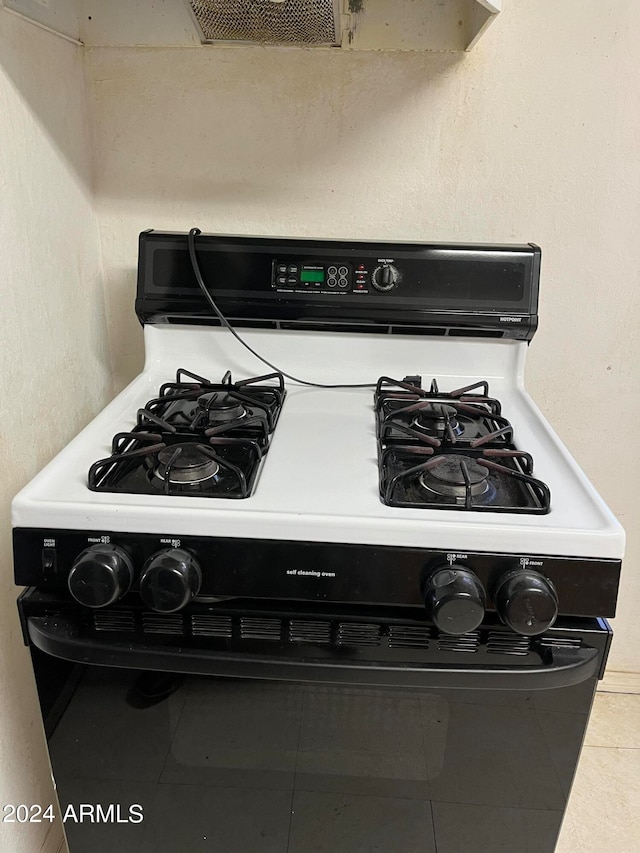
(54, 372)
(533, 136)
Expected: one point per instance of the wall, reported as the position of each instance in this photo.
(533, 136)
(54, 357)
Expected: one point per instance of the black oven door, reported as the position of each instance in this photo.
(309, 732)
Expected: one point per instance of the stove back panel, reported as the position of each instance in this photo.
(438, 289)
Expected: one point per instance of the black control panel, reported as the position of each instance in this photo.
(471, 290)
(313, 276)
(338, 276)
(124, 564)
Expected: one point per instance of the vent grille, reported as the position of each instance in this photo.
(560, 642)
(162, 623)
(211, 626)
(326, 632)
(260, 629)
(462, 643)
(507, 644)
(304, 631)
(358, 634)
(409, 637)
(267, 22)
(118, 620)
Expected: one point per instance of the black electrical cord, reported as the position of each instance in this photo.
(223, 320)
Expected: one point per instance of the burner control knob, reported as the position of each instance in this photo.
(100, 575)
(385, 277)
(455, 599)
(170, 579)
(526, 602)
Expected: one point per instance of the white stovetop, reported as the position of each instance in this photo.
(320, 478)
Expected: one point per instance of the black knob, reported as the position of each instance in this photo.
(526, 602)
(170, 579)
(385, 277)
(455, 599)
(100, 575)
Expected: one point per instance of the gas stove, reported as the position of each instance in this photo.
(416, 470)
(355, 599)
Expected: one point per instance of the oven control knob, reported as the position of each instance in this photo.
(526, 602)
(455, 599)
(170, 579)
(100, 575)
(385, 277)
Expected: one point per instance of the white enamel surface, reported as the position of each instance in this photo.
(319, 481)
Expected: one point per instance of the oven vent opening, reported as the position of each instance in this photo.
(409, 637)
(211, 626)
(264, 22)
(358, 634)
(50, 613)
(260, 629)
(114, 620)
(560, 642)
(305, 631)
(475, 333)
(162, 623)
(499, 643)
(459, 643)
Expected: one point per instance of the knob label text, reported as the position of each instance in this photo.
(310, 573)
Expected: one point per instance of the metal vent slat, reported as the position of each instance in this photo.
(409, 637)
(459, 643)
(211, 626)
(507, 644)
(105, 620)
(358, 634)
(260, 629)
(306, 631)
(162, 623)
(562, 642)
(290, 22)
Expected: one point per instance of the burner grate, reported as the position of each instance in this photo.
(196, 439)
(451, 450)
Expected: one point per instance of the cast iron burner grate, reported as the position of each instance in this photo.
(244, 409)
(196, 439)
(451, 451)
(404, 411)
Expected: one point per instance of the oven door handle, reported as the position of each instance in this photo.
(60, 637)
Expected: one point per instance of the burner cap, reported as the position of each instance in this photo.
(221, 407)
(447, 477)
(189, 467)
(432, 419)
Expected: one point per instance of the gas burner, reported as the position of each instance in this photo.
(221, 407)
(246, 409)
(406, 413)
(195, 439)
(186, 464)
(436, 419)
(451, 450)
(455, 476)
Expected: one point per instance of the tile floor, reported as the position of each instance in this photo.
(604, 810)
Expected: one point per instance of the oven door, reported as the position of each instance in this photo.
(293, 732)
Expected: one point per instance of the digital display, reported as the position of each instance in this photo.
(312, 275)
